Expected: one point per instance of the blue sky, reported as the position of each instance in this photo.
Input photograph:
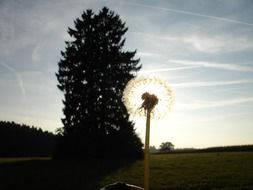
(204, 49)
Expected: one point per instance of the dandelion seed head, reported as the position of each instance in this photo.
(140, 86)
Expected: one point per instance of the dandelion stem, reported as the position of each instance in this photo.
(146, 153)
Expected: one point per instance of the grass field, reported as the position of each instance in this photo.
(168, 171)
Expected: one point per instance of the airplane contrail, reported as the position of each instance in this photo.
(211, 83)
(193, 14)
(168, 69)
(214, 104)
(18, 78)
(217, 65)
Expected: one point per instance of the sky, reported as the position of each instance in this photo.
(203, 49)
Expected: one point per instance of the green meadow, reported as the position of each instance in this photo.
(232, 170)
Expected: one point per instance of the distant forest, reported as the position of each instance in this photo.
(235, 148)
(18, 140)
(22, 140)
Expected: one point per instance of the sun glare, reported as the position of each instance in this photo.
(132, 96)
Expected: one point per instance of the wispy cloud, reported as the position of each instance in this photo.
(192, 14)
(167, 69)
(197, 105)
(36, 54)
(225, 66)
(147, 54)
(203, 42)
(214, 44)
(211, 83)
(18, 78)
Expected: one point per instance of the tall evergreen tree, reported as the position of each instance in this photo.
(93, 72)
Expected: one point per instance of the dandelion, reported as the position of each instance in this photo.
(148, 96)
(138, 86)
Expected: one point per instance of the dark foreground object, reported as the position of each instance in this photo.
(121, 186)
(47, 174)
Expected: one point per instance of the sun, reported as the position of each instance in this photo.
(138, 86)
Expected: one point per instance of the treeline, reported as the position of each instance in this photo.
(23, 140)
(235, 148)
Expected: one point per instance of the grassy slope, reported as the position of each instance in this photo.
(171, 171)
(193, 171)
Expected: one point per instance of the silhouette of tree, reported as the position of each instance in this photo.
(152, 149)
(166, 147)
(93, 72)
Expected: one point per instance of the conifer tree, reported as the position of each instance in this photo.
(92, 74)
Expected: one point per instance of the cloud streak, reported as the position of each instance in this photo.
(197, 105)
(217, 43)
(192, 14)
(199, 42)
(168, 69)
(211, 83)
(225, 66)
(18, 78)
